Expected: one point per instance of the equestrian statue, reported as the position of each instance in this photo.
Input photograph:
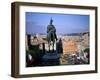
(51, 35)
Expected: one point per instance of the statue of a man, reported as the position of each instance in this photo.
(51, 34)
(51, 31)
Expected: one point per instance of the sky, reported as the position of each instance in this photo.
(64, 23)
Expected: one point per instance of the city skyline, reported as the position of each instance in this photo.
(64, 23)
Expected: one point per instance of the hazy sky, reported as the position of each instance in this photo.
(64, 23)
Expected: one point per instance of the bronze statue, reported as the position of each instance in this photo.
(51, 35)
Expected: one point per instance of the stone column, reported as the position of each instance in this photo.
(29, 40)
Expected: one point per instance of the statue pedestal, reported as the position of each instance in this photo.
(51, 59)
(51, 56)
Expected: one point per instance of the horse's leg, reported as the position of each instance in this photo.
(49, 46)
(53, 46)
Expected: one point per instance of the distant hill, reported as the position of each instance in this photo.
(69, 34)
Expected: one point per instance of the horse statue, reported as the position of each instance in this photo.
(51, 35)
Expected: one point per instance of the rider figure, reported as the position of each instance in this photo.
(51, 29)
